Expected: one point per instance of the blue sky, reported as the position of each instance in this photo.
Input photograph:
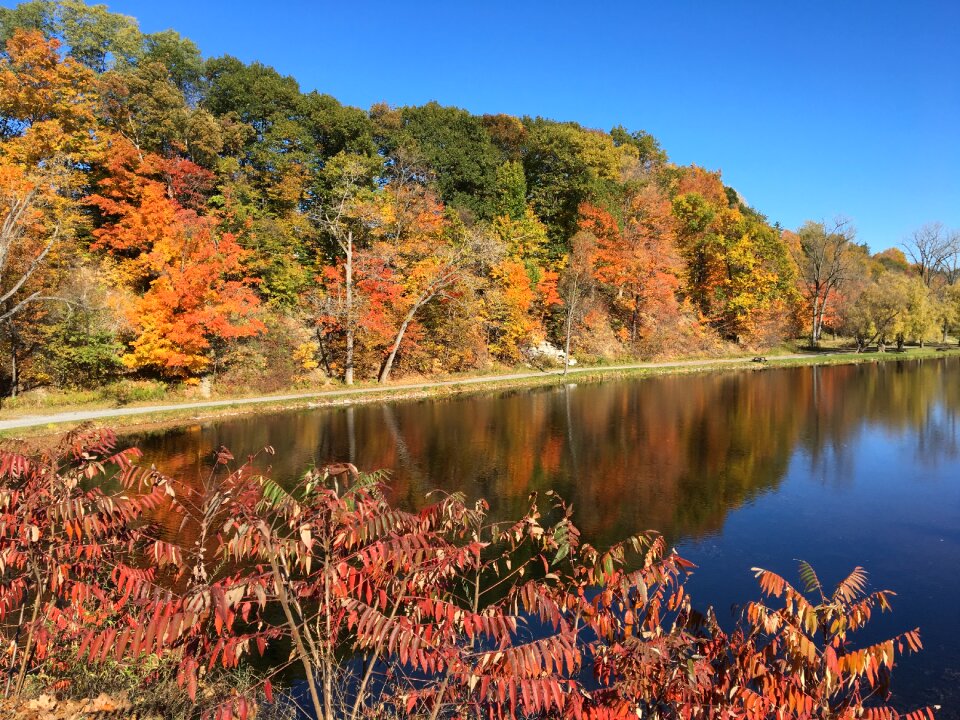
(810, 109)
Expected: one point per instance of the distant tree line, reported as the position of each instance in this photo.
(893, 297)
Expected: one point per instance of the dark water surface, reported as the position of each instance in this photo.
(841, 466)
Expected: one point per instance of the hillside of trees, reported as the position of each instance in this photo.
(171, 217)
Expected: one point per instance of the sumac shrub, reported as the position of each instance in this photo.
(386, 612)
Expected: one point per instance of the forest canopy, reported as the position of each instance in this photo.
(168, 216)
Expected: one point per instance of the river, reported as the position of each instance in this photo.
(838, 465)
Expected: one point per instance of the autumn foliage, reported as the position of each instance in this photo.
(190, 276)
(170, 217)
(206, 218)
(440, 612)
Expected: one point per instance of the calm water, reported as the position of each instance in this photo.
(841, 466)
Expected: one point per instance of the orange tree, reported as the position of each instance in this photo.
(416, 244)
(637, 265)
(186, 281)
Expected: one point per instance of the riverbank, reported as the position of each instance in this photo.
(24, 423)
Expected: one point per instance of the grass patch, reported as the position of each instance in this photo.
(121, 392)
(146, 689)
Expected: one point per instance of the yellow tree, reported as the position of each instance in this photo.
(420, 249)
(46, 132)
(508, 308)
(739, 274)
(513, 314)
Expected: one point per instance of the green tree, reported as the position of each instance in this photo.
(80, 350)
(565, 166)
(93, 35)
(255, 94)
(649, 152)
(182, 59)
(335, 128)
(511, 200)
(455, 145)
(147, 106)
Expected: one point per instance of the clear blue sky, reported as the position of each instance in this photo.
(810, 109)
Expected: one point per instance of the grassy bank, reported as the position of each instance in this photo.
(144, 407)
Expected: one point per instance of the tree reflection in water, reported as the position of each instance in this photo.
(673, 453)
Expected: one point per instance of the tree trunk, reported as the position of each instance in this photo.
(821, 313)
(324, 356)
(566, 347)
(814, 335)
(328, 646)
(28, 648)
(321, 709)
(388, 363)
(14, 368)
(348, 324)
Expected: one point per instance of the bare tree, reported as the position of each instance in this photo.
(947, 293)
(350, 176)
(825, 259)
(933, 251)
(20, 207)
(951, 264)
(575, 283)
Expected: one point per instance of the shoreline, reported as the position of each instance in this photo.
(138, 418)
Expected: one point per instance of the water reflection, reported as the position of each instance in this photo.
(672, 453)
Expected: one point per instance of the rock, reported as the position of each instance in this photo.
(205, 388)
(545, 351)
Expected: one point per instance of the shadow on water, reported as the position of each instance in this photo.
(841, 465)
